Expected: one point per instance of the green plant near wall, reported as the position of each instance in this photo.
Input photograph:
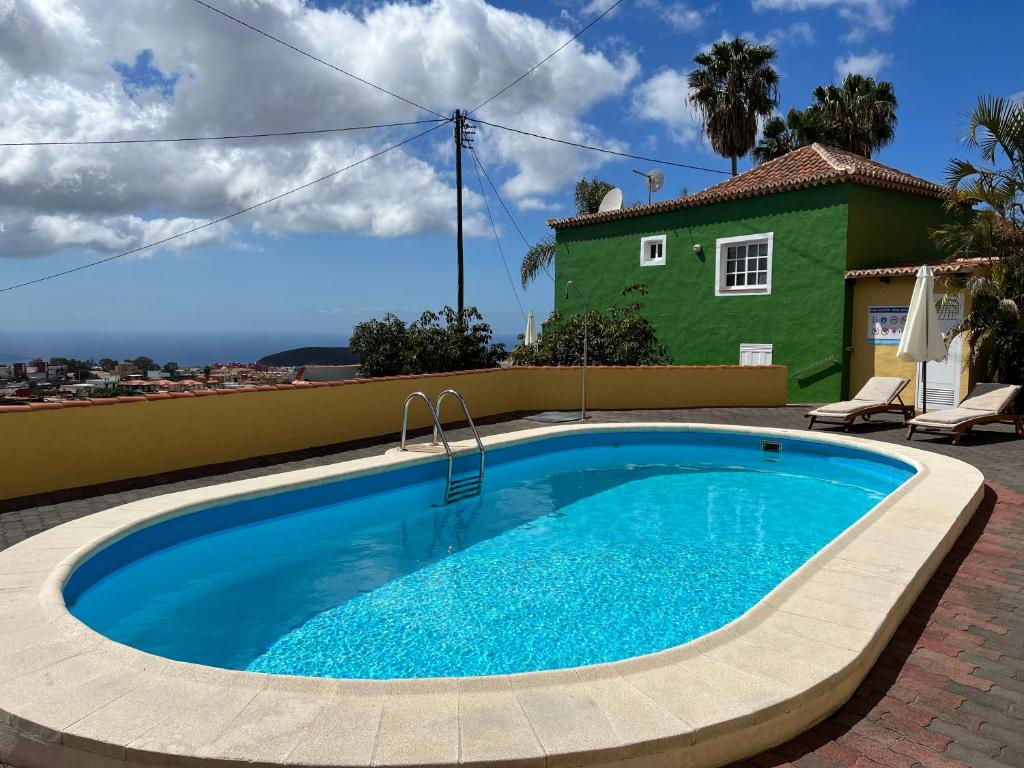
(621, 335)
(437, 342)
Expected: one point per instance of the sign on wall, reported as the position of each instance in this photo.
(886, 324)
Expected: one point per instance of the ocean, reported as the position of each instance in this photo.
(186, 348)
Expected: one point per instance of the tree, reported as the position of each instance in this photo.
(589, 194)
(777, 139)
(733, 86)
(993, 232)
(779, 136)
(170, 368)
(389, 347)
(538, 258)
(108, 364)
(619, 336)
(859, 115)
(379, 345)
(144, 363)
(78, 369)
(462, 343)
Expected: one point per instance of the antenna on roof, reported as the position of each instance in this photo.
(655, 181)
(612, 200)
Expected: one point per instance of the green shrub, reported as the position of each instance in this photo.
(618, 336)
(437, 342)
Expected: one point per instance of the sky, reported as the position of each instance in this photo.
(379, 237)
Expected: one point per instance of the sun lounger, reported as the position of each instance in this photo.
(876, 396)
(986, 404)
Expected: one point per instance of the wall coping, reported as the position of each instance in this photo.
(141, 398)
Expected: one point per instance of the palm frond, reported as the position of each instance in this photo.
(538, 258)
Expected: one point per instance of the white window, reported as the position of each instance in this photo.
(744, 265)
(755, 354)
(652, 251)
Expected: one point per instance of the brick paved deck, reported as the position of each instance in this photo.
(948, 691)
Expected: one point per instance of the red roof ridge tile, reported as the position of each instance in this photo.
(810, 166)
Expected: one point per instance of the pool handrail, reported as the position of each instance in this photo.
(460, 489)
(467, 485)
(437, 426)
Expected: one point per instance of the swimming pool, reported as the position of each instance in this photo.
(584, 548)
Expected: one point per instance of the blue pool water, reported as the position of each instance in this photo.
(583, 549)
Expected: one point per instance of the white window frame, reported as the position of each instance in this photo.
(644, 242)
(756, 349)
(721, 244)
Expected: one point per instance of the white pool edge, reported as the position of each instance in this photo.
(69, 696)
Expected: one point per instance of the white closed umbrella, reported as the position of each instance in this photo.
(922, 338)
(530, 337)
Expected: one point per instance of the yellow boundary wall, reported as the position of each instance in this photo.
(54, 448)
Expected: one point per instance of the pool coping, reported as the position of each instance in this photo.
(69, 696)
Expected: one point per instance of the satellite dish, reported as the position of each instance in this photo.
(612, 200)
(655, 181)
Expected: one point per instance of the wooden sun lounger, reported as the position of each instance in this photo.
(879, 395)
(986, 404)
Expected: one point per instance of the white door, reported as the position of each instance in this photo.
(944, 375)
(755, 354)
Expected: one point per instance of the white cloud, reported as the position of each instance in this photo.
(797, 33)
(537, 204)
(863, 16)
(58, 80)
(867, 64)
(680, 16)
(664, 99)
(1017, 96)
(597, 7)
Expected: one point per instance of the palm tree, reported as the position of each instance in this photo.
(994, 232)
(538, 258)
(859, 115)
(776, 140)
(995, 126)
(734, 85)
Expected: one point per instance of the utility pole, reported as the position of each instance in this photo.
(458, 206)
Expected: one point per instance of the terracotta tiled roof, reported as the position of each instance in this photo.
(812, 166)
(909, 270)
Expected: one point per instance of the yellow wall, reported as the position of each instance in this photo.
(869, 359)
(70, 447)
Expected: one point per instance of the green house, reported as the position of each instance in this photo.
(752, 270)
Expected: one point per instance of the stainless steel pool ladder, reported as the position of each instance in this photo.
(455, 489)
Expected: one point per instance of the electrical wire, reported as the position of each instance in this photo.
(543, 61)
(507, 211)
(308, 55)
(222, 218)
(601, 149)
(212, 138)
(497, 240)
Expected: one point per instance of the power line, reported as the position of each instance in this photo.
(210, 138)
(507, 211)
(602, 149)
(222, 218)
(308, 55)
(543, 61)
(497, 240)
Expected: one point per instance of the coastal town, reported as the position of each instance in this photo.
(61, 379)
